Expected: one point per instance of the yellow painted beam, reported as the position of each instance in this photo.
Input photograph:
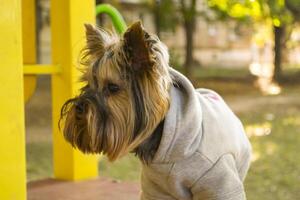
(67, 30)
(41, 69)
(29, 44)
(12, 143)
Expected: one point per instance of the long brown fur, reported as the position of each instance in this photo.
(125, 95)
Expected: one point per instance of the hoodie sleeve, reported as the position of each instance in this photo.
(220, 182)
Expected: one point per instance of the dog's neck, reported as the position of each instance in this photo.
(147, 150)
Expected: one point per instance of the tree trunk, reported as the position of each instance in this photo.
(278, 44)
(189, 15)
(100, 17)
(189, 59)
(39, 26)
(156, 13)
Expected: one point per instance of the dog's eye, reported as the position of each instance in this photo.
(113, 88)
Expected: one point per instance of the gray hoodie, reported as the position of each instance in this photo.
(204, 152)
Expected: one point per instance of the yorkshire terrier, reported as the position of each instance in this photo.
(190, 143)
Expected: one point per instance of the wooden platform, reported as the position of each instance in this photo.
(98, 189)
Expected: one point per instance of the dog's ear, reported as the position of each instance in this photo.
(95, 39)
(137, 47)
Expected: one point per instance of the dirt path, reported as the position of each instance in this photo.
(99, 189)
(240, 104)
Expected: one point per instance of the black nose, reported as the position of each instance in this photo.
(79, 107)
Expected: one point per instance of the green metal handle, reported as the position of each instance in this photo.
(115, 16)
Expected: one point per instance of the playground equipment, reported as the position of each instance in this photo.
(17, 54)
(29, 44)
(115, 16)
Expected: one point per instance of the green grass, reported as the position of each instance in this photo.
(39, 160)
(218, 73)
(274, 172)
(127, 168)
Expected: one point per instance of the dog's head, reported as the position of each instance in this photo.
(125, 94)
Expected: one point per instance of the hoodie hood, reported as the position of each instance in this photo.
(183, 123)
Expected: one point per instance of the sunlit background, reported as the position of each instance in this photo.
(246, 50)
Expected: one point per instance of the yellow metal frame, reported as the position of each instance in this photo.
(67, 19)
(18, 58)
(12, 143)
(67, 30)
(41, 69)
(29, 44)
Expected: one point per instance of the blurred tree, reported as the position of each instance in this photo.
(281, 18)
(166, 18)
(294, 7)
(188, 12)
(157, 15)
(282, 14)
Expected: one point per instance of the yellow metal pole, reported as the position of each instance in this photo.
(67, 19)
(37, 69)
(29, 44)
(12, 143)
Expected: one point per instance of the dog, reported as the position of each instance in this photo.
(190, 143)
